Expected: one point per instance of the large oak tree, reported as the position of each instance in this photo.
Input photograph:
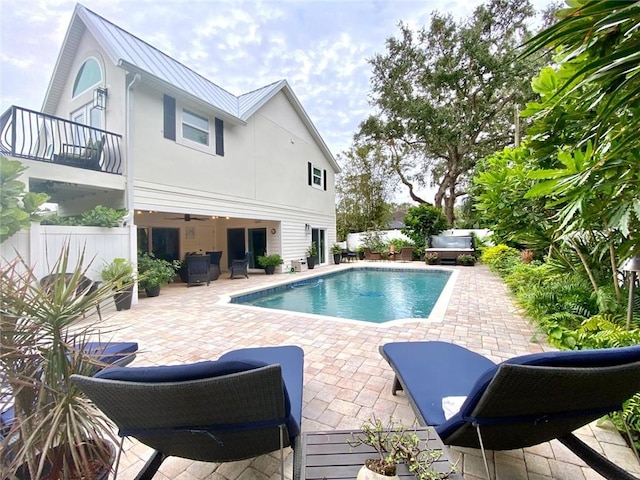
(445, 96)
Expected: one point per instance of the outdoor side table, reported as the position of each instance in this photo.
(328, 455)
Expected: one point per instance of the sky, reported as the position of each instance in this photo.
(320, 47)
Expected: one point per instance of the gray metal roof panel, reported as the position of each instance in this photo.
(250, 102)
(121, 45)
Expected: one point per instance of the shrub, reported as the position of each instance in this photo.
(273, 259)
(465, 259)
(18, 208)
(97, 217)
(500, 258)
(155, 272)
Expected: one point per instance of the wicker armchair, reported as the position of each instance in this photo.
(240, 268)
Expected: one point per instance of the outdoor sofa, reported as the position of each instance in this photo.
(449, 247)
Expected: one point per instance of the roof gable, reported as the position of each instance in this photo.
(136, 55)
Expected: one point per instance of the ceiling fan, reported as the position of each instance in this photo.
(187, 218)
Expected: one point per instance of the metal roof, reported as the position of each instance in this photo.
(136, 55)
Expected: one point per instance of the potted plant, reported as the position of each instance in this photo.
(467, 260)
(270, 262)
(431, 258)
(154, 273)
(119, 274)
(360, 253)
(337, 253)
(55, 431)
(312, 255)
(394, 444)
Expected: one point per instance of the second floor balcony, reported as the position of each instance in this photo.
(36, 136)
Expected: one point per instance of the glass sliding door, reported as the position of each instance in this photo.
(257, 245)
(318, 236)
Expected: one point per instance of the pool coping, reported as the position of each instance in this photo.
(436, 316)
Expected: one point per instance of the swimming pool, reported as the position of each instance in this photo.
(368, 294)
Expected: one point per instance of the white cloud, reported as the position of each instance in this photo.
(320, 47)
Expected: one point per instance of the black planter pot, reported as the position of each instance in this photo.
(337, 257)
(311, 262)
(152, 291)
(270, 269)
(123, 299)
(361, 255)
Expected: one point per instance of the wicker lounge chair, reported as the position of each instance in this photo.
(521, 402)
(246, 404)
(369, 255)
(240, 268)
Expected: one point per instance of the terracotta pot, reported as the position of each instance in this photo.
(365, 474)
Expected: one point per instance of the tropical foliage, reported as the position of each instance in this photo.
(17, 207)
(98, 216)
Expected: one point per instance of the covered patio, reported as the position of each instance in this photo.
(346, 380)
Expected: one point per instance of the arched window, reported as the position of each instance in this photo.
(89, 75)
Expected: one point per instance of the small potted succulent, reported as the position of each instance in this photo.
(467, 260)
(395, 444)
(337, 253)
(119, 273)
(431, 258)
(312, 255)
(270, 262)
(154, 273)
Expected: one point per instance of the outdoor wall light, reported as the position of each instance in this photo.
(632, 266)
(307, 228)
(100, 98)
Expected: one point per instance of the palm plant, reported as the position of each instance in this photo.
(56, 432)
(598, 45)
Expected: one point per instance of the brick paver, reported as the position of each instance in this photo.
(346, 380)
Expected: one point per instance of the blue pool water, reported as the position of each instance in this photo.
(372, 295)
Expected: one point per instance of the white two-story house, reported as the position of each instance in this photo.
(199, 169)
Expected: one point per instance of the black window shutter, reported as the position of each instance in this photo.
(169, 117)
(324, 177)
(310, 172)
(219, 137)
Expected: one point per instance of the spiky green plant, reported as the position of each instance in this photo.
(57, 432)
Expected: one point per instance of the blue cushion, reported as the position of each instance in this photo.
(111, 352)
(291, 361)
(431, 371)
(568, 358)
(177, 373)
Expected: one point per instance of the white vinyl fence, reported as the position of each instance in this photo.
(40, 247)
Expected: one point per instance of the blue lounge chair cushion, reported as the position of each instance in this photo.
(114, 353)
(291, 361)
(431, 371)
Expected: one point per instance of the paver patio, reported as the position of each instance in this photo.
(346, 380)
